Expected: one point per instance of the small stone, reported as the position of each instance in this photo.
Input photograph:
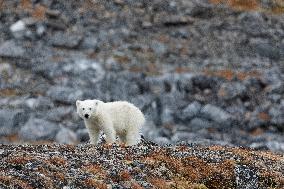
(18, 29)
(177, 20)
(66, 40)
(231, 90)
(40, 30)
(146, 24)
(246, 177)
(52, 13)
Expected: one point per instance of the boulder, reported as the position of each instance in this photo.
(38, 129)
(11, 120)
(66, 136)
(64, 94)
(215, 113)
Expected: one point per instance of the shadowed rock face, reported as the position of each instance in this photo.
(144, 166)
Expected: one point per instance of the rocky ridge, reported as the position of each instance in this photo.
(144, 166)
(201, 71)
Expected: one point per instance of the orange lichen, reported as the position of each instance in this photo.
(135, 185)
(39, 12)
(58, 161)
(122, 59)
(240, 4)
(92, 168)
(26, 4)
(182, 70)
(124, 175)
(159, 183)
(263, 116)
(95, 183)
(19, 160)
(8, 92)
(230, 74)
(226, 74)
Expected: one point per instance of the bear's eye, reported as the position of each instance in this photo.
(90, 108)
(83, 108)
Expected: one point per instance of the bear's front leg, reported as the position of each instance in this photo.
(110, 135)
(107, 127)
(94, 133)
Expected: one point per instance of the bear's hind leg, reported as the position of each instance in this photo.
(132, 137)
(122, 138)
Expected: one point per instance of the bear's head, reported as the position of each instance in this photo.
(87, 109)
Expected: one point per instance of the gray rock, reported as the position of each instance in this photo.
(246, 178)
(184, 83)
(64, 94)
(161, 140)
(190, 111)
(59, 113)
(10, 49)
(215, 113)
(90, 43)
(198, 123)
(258, 118)
(184, 136)
(142, 101)
(120, 87)
(231, 90)
(18, 29)
(277, 115)
(39, 104)
(66, 136)
(66, 40)
(40, 30)
(267, 50)
(11, 120)
(149, 130)
(204, 82)
(158, 48)
(275, 146)
(167, 116)
(83, 135)
(38, 129)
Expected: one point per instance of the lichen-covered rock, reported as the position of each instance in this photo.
(143, 166)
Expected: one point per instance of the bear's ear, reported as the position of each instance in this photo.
(78, 103)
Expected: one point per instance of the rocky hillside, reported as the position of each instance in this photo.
(144, 166)
(202, 71)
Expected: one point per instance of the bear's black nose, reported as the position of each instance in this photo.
(86, 116)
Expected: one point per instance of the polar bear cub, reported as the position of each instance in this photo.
(119, 118)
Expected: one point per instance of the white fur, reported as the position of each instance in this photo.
(119, 118)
